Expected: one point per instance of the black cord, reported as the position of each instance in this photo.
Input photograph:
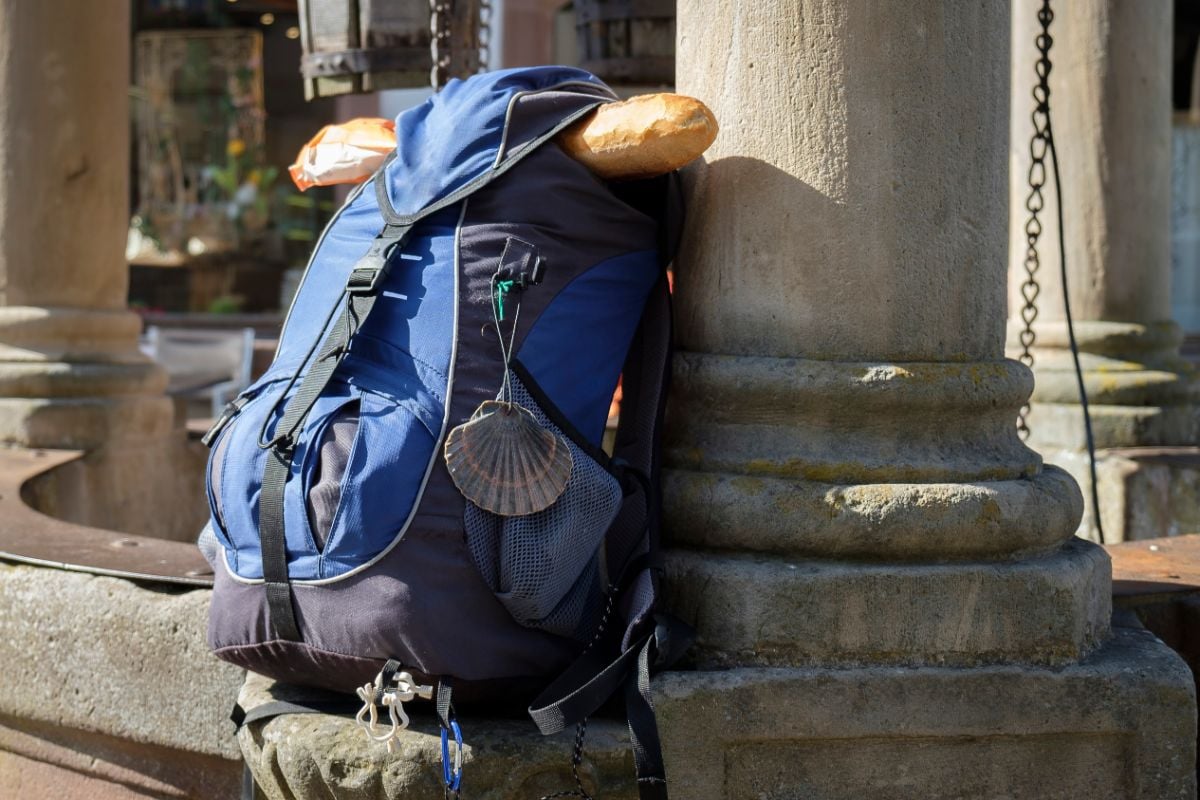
(1046, 16)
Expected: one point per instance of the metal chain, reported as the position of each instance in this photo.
(440, 13)
(1041, 145)
(1035, 203)
(485, 35)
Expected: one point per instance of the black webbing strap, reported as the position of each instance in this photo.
(647, 371)
(276, 708)
(582, 688)
(643, 732)
(588, 683)
(360, 295)
(273, 545)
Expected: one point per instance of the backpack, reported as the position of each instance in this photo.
(480, 263)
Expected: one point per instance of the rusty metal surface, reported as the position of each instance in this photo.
(1156, 567)
(31, 537)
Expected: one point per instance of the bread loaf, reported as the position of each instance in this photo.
(644, 136)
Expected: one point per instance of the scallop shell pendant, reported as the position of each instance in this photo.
(503, 461)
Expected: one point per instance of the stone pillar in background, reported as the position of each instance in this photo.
(70, 371)
(1111, 105)
(846, 493)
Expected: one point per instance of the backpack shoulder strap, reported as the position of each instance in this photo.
(646, 376)
(655, 641)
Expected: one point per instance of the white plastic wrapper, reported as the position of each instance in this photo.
(346, 153)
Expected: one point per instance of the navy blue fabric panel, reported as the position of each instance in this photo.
(456, 135)
(576, 348)
(425, 605)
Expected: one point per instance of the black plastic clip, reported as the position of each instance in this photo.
(520, 263)
(372, 268)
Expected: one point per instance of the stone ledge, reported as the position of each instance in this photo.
(1049, 610)
(1119, 725)
(329, 756)
(109, 656)
(871, 733)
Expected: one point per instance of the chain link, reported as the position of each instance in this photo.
(440, 13)
(1035, 202)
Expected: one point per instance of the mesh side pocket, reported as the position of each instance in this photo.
(546, 568)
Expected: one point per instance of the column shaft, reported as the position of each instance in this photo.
(845, 491)
(842, 391)
(70, 372)
(1111, 110)
(853, 207)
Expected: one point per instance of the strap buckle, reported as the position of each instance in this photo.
(391, 698)
(372, 268)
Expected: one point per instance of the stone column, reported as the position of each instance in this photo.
(70, 372)
(1111, 105)
(846, 493)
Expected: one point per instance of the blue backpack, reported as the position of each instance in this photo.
(460, 329)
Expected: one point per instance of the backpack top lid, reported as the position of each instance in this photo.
(473, 129)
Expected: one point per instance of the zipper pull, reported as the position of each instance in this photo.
(227, 414)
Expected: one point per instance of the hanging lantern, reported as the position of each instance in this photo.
(630, 42)
(354, 46)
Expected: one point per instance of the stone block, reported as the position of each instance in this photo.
(1119, 725)
(329, 756)
(108, 656)
(773, 611)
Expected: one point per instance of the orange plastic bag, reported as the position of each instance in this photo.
(345, 153)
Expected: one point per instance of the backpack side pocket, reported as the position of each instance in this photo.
(548, 568)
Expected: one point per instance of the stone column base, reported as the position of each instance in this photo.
(1121, 724)
(750, 609)
(1140, 391)
(1145, 492)
(74, 378)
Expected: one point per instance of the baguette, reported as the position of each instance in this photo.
(642, 137)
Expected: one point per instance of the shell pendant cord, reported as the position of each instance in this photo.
(1042, 144)
(502, 459)
(499, 290)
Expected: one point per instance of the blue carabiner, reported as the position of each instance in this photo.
(452, 776)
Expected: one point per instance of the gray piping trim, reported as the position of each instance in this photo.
(389, 212)
(433, 457)
(512, 104)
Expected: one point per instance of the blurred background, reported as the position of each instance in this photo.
(218, 234)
